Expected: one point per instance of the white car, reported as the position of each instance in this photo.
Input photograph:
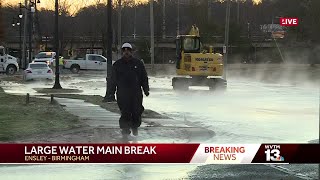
(47, 57)
(38, 70)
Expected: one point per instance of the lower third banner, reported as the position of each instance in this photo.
(160, 153)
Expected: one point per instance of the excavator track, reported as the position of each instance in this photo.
(183, 83)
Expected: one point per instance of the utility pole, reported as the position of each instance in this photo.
(152, 35)
(248, 31)
(178, 21)
(2, 31)
(1, 23)
(109, 96)
(30, 33)
(20, 35)
(56, 45)
(135, 20)
(238, 12)
(24, 54)
(272, 25)
(164, 19)
(37, 28)
(226, 40)
(119, 28)
(209, 15)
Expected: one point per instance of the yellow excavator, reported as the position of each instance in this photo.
(195, 66)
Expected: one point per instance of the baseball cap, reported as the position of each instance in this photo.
(126, 45)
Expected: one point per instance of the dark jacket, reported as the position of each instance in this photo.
(128, 77)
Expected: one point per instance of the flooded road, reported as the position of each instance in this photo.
(248, 112)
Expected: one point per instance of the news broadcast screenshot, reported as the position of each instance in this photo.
(159, 89)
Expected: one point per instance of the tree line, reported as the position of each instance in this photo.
(209, 15)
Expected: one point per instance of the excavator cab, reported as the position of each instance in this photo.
(187, 44)
(191, 44)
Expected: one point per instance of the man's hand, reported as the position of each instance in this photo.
(147, 93)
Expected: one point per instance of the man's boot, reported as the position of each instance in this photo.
(125, 132)
(135, 131)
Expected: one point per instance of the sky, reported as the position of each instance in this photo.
(74, 4)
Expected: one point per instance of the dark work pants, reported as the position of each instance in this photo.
(131, 109)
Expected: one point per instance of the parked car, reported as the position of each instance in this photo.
(8, 64)
(38, 70)
(47, 57)
(89, 62)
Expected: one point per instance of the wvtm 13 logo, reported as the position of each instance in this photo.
(273, 153)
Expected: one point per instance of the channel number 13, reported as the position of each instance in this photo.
(272, 154)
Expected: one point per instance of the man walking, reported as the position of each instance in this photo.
(128, 77)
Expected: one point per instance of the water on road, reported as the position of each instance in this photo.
(248, 112)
